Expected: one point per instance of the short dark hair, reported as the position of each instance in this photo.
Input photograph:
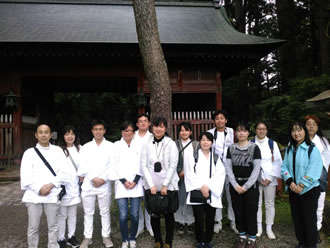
(261, 122)
(220, 112)
(208, 135)
(242, 125)
(157, 121)
(142, 115)
(98, 122)
(41, 124)
(185, 125)
(126, 124)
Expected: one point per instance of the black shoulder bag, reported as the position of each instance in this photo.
(63, 191)
(196, 195)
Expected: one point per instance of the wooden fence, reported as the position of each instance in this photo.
(200, 121)
(6, 139)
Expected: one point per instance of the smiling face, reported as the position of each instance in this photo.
(242, 134)
(298, 134)
(261, 131)
(312, 127)
(159, 131)
(69, 138)
(43, 135)
(205, 143)
(184, 133)
(98, 132)
(128, 134)
(220, 122)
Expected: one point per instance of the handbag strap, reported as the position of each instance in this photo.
(45, 161)
(211, 164)
(185, 147)
(72, 161)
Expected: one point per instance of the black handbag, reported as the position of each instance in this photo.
(158, 204)
(63, 191)
(196, 195)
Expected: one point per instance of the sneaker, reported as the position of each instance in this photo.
(181, 229)
(233, 227)
(72, 242)
(270, 234)
(217, 227)
(151, 232)
(124, 244)
(139, 232)
(259, 232)
(190, 229)
(200, 245)
(251, 244)
(132, 244)
(158, 245)
(107, 242)
(86, 242)
(241, 243)
(167, 246)
(62, 243)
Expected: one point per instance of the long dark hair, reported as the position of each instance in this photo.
(293, 142)
(62, 143)
(186, 126)
(319, 128)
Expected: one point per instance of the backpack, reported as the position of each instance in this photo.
(324, 175)
(250, 149)
(270, 144)
(214, 154)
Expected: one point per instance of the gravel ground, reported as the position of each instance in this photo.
(13, 224)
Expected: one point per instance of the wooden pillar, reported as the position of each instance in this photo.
(140, 90)
(179, 79)
(17, 119)
(219, 91)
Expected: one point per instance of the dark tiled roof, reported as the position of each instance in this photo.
(97, 23)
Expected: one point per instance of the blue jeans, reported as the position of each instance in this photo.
(123, 217)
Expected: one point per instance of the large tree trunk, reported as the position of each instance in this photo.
(320, 22)
(154, 63)
(286, 24)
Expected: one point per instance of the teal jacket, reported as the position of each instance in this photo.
(308, 170)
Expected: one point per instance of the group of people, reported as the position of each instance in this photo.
(200, 173)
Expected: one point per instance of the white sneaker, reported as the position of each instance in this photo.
(124, 244)
(233, 227)
(259, 232)
(86, 242)
(151, 232)
(270, 234)
(107, 242)
(217, 227)
(132, 244)
(139, 232)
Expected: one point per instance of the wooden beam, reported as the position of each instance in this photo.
(219, 91)
(17, 119)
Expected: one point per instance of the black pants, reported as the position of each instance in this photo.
(204, 214)
(245, 207)
(303, 212)
(169, 227)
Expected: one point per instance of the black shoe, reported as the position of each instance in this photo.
(73, 242)
(62, 243)
(190, 229)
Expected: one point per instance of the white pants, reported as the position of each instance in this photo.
(230, 211)
(67, 213)
(34, 213)
(104, 201)
(141, 219)
(319, 211)
(269, 194)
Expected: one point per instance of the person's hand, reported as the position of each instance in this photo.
(294, 188)
(205, 191)
(81, 179)
(132, 185)
(181, 174)
(153, 190)
(127, 184)
(163, 191)
(265, 182)
(45, 189)
(97, 182)
(239, 189)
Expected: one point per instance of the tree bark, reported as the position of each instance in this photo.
(154, 63)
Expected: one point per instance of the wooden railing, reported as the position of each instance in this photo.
(6, 139)
(200, 121)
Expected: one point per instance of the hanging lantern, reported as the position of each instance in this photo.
(12, 100)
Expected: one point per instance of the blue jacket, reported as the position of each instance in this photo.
(308, 170)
